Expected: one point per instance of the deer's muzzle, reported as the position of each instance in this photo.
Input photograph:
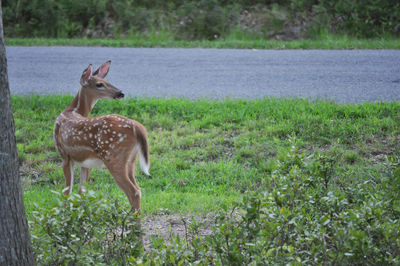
(119, 95)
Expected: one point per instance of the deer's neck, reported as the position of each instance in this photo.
(82, 104)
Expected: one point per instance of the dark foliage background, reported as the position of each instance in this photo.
(204, 19)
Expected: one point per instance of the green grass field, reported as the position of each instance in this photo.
(311, 182)
(206, 154)
(234, 41)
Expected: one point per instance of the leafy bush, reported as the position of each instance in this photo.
(84, 229)
(366, 18)
(205, 19)
(309, 215)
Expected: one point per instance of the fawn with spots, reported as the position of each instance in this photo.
(113, 141)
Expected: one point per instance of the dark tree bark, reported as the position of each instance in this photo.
(15, 244)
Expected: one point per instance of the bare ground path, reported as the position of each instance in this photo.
(168, 225)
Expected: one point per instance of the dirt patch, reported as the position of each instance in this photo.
(168, 225)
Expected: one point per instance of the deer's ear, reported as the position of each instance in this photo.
(102, 71)
(87, 73)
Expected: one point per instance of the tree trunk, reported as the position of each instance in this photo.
(15, 244)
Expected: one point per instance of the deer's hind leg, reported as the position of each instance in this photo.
(131, 172)
(121, 177)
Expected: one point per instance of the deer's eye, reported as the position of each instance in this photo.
(99, 85)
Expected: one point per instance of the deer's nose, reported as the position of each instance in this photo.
(119, 95)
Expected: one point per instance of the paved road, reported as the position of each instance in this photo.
(345, 76)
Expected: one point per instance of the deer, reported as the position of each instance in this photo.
(113, 141)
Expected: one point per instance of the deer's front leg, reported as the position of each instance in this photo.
(69, 175)
(84, 177)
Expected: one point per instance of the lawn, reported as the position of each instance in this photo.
(208, 155)
(234, 42)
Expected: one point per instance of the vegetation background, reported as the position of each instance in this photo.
(201, 20)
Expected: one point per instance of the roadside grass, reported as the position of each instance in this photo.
(234, 41)
(205, 154)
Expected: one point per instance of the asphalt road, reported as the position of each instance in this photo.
(344, 76)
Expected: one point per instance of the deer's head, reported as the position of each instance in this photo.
(96, 86)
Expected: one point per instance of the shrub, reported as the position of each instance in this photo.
(366, 18)
(204, 19)
(84, 229)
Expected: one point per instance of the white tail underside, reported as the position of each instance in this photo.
(143, 165)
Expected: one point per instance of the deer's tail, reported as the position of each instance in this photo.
(144, 155)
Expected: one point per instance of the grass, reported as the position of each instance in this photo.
(205, 155)
(236, 41)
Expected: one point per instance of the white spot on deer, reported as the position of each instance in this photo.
(90, 135)
(111, 139)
